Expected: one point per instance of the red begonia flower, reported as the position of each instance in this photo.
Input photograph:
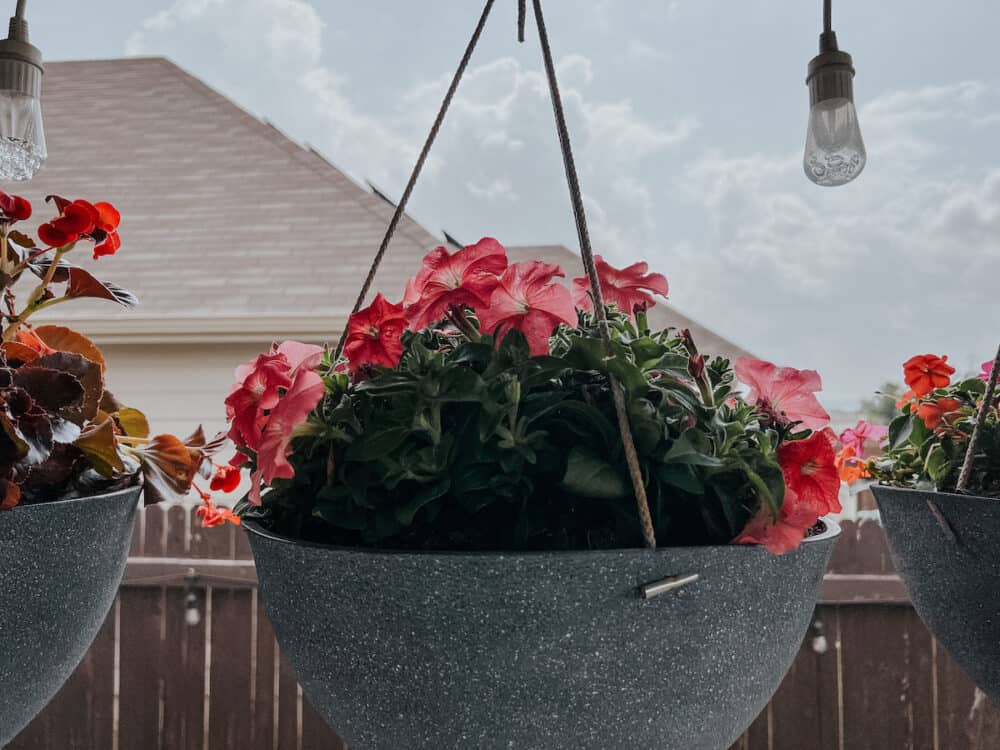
(108, 221)
(14, 208)
(447, 281)
(925, 372)
(629, 288)
(527, 300)
(935, 412)
(375, 335)
(225, 479)
(785, 393)
(213, 515)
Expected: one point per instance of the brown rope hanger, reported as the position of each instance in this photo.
(576, 198)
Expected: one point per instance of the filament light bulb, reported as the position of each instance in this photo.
(835, 151)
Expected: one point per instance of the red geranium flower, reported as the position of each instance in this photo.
(375, 335)
(785, 393)
(629, 288)
(14, 208)
(466, 278)
(925, 372)
(527, 301)
(935, 412)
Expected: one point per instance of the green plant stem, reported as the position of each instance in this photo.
(462, 323)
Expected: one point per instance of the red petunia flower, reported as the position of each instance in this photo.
(857, 436)
(466, 278)
(784, 534)
(225, 479)
(528, 301)
(14, 208)
(630, 288)
(810, 469)
(787, 394)
(375, 335)
(925, 372)
(213, 515)
(934, 413)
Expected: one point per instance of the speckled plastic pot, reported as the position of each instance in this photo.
(60, 566)
(953, 578)
(538, 651)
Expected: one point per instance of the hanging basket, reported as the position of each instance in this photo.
(946, 551)
(553, 650)
(60, 566)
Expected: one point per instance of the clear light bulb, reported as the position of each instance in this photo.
(835, 151)
(22, 139)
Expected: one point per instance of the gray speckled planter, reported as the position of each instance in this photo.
(954, 581)
(538, 651)
(60, 566)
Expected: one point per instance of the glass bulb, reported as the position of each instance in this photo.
(22, 140)
(835, 151)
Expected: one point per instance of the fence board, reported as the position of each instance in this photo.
(141, 683)
(183, 664)
(230, 699)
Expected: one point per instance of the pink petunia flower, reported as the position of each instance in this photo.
(447, 281)
(629, 288)
(292, 410)
(787, 394)
(526, 299)
(861, 433)
(258, 388)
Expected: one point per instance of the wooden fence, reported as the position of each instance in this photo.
(187, 660)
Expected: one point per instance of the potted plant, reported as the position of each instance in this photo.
(449, 550)
(939, 494)
(73, 460)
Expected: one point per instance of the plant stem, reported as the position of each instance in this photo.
(34, 305)
(457, 316)
(984, 410)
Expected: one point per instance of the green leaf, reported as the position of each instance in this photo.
(590, 476)
(371, 446)
(691, 447)
(405, 513)
(900, 430)
(101, 447)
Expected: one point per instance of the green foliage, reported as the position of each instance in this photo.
(469, 445)
(918, 455)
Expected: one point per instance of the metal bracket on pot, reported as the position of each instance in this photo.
(666, 585)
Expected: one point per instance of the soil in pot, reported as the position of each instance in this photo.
(60, 567)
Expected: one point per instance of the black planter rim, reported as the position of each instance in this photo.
(891, 488)
(252, 527)
(27, 507)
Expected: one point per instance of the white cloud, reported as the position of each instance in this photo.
(637, 51)
(497, 189)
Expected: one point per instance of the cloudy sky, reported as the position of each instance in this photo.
(689, 120)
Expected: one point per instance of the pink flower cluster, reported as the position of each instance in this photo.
(273, 394)
(504, 296)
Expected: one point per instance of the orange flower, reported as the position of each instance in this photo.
(908, 398)
(925, 372)
(850, 467)
(935, 412)
(212, 515)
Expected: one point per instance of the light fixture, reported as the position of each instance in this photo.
(22, 140)
(835, 152)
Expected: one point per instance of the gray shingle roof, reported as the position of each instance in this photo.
(224, 217)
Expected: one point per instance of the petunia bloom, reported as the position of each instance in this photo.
(449, 282)
(861, 433)
(630, 288)
(783, 534)
(810, 469)
(375, 334)
(528, 300)
(943, 410)
(258, 388)
(292, 410)
(785, 393)
(925, 372)
(14, 208)
(987, 371)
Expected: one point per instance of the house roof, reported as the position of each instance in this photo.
(231, 230)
